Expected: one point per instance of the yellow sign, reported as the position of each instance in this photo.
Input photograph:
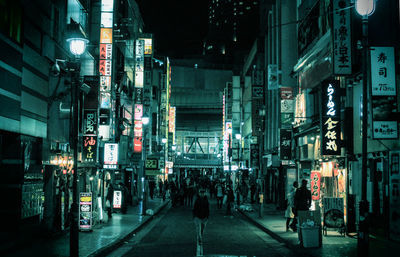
(106, 35)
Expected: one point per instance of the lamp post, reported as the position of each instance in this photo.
(364, 8)
(77, 46)
(145, 122)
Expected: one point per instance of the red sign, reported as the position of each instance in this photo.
(286, 93)
(315, 185)
(137, 144)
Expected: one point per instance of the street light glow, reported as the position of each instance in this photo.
(145, 120)
(365, 7)
(77, 46)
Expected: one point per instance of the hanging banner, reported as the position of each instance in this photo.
(383, 76)
(384, 94)
(285, 144)
(341, 34)
(315, 185)
(330, 118)
(85, 211)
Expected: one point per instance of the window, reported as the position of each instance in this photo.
(11, 19)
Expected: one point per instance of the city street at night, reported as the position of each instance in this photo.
(216, 128)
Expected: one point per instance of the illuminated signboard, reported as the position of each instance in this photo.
(137, 144)
(171, 123)
(85, 211)
(315, 185)
(106, 35)
(138, 112)
(105, 61)
(330, 132)
(105, 83)
(384, 95)
(89, 151)
(110, 153)
(117, 200)
(90, 122)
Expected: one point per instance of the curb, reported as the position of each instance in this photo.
(275, 236)
(119, 241)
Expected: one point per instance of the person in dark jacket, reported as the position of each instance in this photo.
(229, 200)
(302, 202)
(201, 211)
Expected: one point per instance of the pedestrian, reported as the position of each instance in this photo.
(289, 213)
(152, 186)
(220, 195)
(302, 201)
(252, 191)
(230, 198)
(201, 212)
(109, 200)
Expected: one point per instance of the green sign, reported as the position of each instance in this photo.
(151, 164)
(153, 172)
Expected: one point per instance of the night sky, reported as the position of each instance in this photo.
(178, 26)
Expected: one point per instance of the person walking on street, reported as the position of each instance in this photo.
(229, 200)
(201, 212)
(289, 213)
(220, 195)
(302, 201)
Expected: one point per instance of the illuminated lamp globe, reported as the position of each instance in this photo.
(145, 120)
(77, 46)
(365, 7)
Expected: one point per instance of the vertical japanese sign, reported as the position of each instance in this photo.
(89, 150)
(315, 185)
(171, 123)
(85, 211)
(330, 118)
(394, 195)
(384, 94)
(110, 155)
(117, 199)
(287, 106)
(105, 66)
(341, 34)
(139, 83)
(285, 144)
(257, 101)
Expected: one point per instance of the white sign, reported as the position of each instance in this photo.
(110, 153)
(341, 37)
(385, 129)
(117, 200)
(383, 76)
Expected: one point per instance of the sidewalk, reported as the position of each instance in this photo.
(103, 239)
(273, 222)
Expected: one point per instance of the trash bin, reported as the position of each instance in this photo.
(310, 236)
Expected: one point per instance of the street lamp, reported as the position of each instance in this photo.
(364, 8)
(77, 45)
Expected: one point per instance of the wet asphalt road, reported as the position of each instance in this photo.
(172, 233)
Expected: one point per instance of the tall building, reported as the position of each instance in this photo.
(232, 27)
